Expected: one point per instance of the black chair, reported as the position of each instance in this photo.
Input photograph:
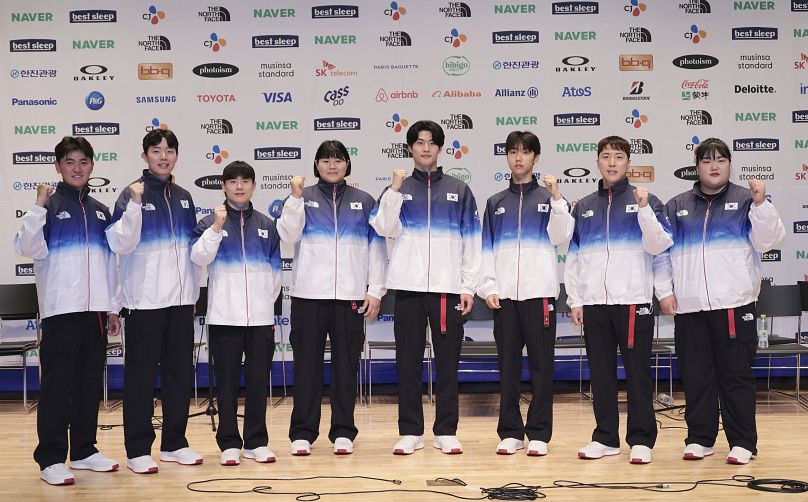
(19, 302)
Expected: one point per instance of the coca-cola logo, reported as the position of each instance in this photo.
(701, 83)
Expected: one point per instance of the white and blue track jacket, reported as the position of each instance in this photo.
(522, 226)
(714, 262)
(612, 257)
(244, 267)
(154, 245)
(433, 219)
(74, 267)
(338, 255)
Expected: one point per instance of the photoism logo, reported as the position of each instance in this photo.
(395, 11)
(456, 38)
(695, 34)
(217, 154)
(154, 15)
(636, 119)
(398, 123)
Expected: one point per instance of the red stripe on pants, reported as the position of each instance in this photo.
(731, 321)
(546, 306)
(443, 313)
(632, 313)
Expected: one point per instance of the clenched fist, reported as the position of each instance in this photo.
(136, 191)
(43, 191)
(297, 186)
(758, 189)
(641, 196)
(219, 217)
(399, 175)
(551, 183)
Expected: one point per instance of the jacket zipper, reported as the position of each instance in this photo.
(519, 239)
(336, 234)
(703, 257)
(244, 262)
(428, 227)
(606, 272)
(167, 197)
(87, 241)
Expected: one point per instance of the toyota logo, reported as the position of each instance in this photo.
(575, 60)
(93, 69)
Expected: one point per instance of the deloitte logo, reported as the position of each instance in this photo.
(94, 101)
(456, 65)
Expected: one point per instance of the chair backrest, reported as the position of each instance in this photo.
(202, 303)
(480, 311)
(18, 301)
(779, 301)
(803, 285)
(388, 303)
(561, 306)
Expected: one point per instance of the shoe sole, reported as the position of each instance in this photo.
(229, 462)
(268, 460)
(691, 456)
(453, 451)
(69, 481)
(534, 453)
(150, 470)
(505, 452)
(196, 462)
(301, 453)
(584, 456)
(114, 468)
(639, 461)
(735, 461)
(342, 452)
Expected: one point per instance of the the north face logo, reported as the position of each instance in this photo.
(748, 316)
(63, 215)
(311, 203)
(148, 206)
(500, 210)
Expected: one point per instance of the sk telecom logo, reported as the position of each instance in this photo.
(457, 150)
(153, 15)
(695, 34)
(636, 62)
(398, 123)
(635, 7)
(215, 42)
(217, 154)
(456, 38)
(395, 11)
(155, 71)
(636, 119)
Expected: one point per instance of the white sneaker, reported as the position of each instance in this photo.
(640, 454)
(262, 455)
(695, 451)
(408, 444)
(57, 474)
(183, 456)
(448, 445)
(231, 456)
(343, 446)
(740, 456)
(596, 450)
(300, 448)
(143, 464)
(508, 446)
(536, 448)
(95, 462)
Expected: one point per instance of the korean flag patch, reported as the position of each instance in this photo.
(452, 197)
(543, 208)
(100, 216)
(356, 205)
(184, 204)
(263, 233)
(632, 208)
(731, 206)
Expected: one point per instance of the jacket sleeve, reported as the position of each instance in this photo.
(571, 271)
(767, 227)
(293, 219)
(656, 232)
(662, 265)
(561, 224)
(275, 262)
(385, 217)
(123, 235)
(488, 273)
(472, 245)
(30, 239)
(205, 243)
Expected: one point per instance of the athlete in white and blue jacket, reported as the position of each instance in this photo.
(159, 292)
(609, 275)
(713, 270)
(77, 288)
(338, 282)
(522, 226)
(241, 250)
(434, 267)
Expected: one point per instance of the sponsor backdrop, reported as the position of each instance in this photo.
(266, 82)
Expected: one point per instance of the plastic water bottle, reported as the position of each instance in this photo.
(763, 332)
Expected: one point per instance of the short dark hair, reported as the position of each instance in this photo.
(426, 125)
(332, 149)
(712, 148)
(617, 143)
(155, 137)
(236, 169)
(525, 138)
(71, 143)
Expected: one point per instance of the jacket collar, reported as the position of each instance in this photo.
(433, 175)
(524, 187)
(328, 188)
(72, 193)
(698, 193)
(153, 180)
(236, 213)
(618, 187)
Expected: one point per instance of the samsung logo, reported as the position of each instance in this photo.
(275, 41)
(695, 61)
(93, 16)
(32, 45)
(563, 8)
(277, 153)
(337, 124)
(754, 33)
(576, 119)
(756, 145)
(96, 129)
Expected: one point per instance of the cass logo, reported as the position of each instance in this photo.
(275, 41)
(337, 96)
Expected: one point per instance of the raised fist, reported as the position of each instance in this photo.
(219, 216)
(641, 196)
(758, 189)
(551, 183)
(136, 190)
(297, 186)
(43, 191)
(399, 175)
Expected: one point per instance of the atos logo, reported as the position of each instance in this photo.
(695, 34)
(217, 154)
(395, 11)
(636, 119)
(94, 101)
(455, 38)
(635, 7)
(571, 91)
(215, 42)
(457, 150)
(153, 15)
(398, 123)
(156, 124)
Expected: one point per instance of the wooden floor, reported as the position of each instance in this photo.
(782, 427)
